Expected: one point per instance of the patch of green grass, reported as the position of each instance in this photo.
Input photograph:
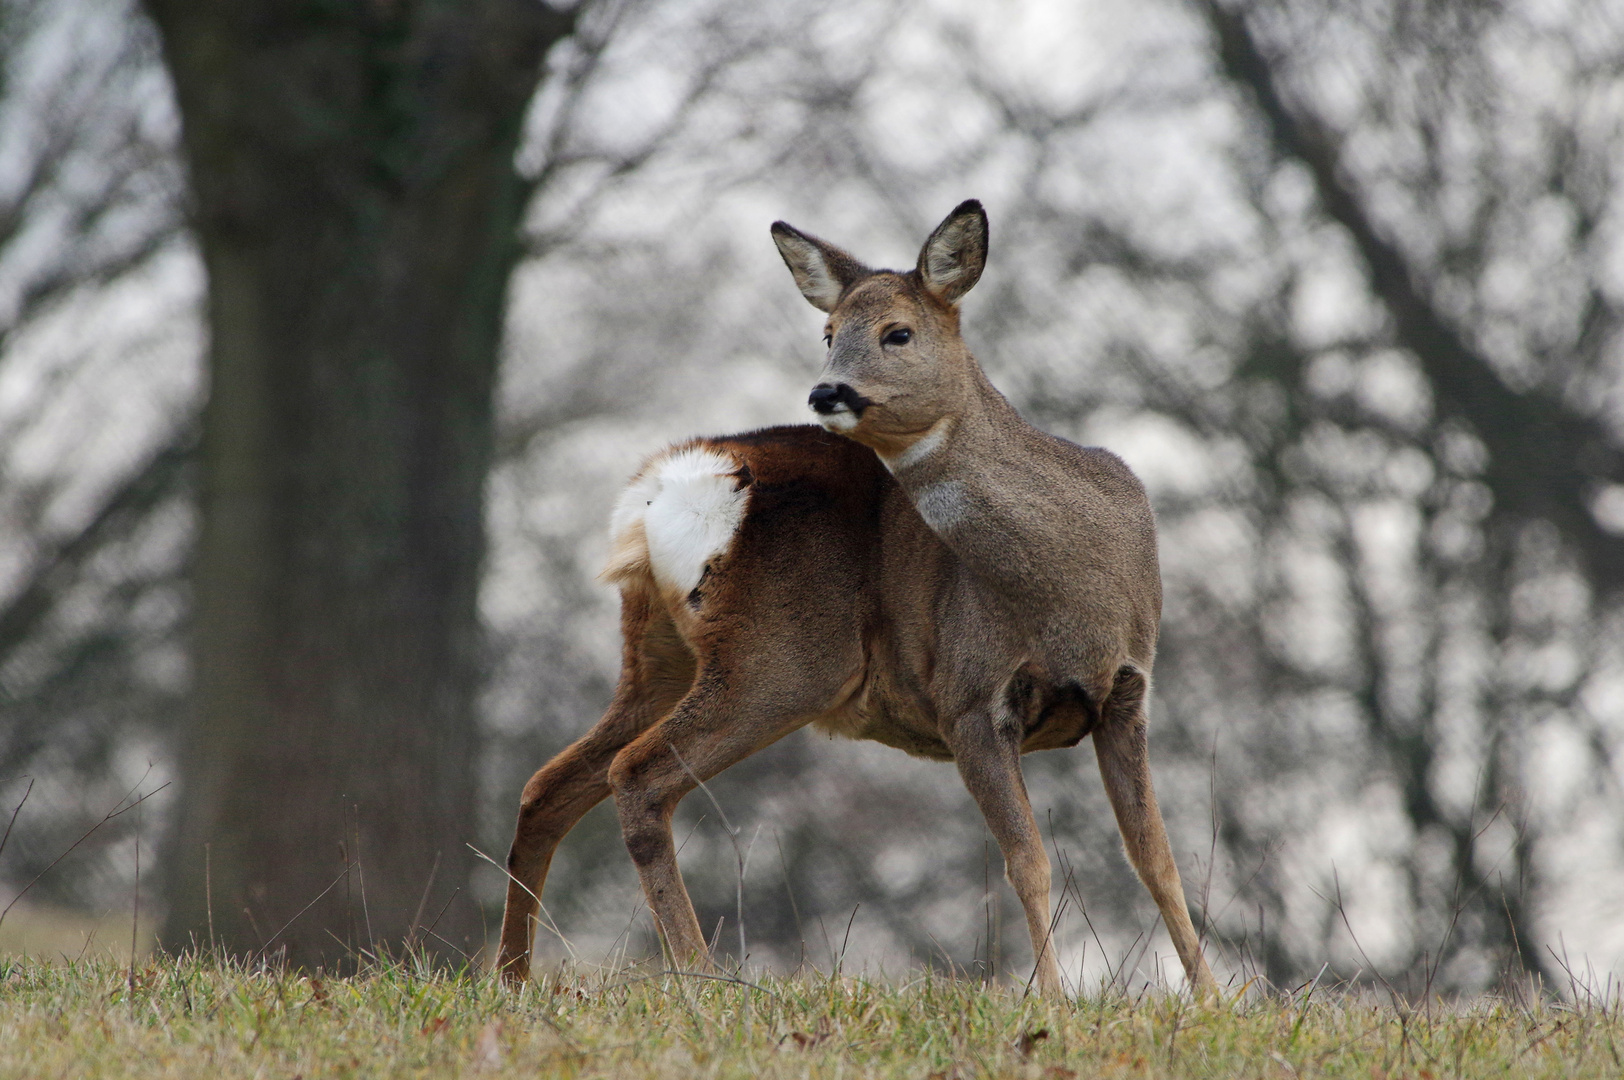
(193, 1017)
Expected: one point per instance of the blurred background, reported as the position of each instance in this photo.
(1342, 282)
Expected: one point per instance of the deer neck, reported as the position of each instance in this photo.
(953, 473)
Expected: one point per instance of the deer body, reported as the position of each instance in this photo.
(931, 573)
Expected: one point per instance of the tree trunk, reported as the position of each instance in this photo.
(357, 208)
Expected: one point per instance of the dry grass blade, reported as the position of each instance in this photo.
(117, 811)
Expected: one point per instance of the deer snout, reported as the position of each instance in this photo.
(827, 400)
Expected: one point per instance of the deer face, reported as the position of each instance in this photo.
(897, 367)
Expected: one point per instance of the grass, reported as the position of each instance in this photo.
(192, 1017)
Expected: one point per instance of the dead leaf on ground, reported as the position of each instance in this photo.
(560, 988)
(435, 1026)
(1029, 1041)
(804, 1040)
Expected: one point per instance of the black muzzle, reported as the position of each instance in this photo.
(826, 399)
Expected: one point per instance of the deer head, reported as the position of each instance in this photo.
(897, 371)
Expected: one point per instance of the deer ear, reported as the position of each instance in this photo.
(952, 259)
(821, 270)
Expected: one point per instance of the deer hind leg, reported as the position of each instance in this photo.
(765, 696)
(655, 672)
(987, 753)
(1121, 744)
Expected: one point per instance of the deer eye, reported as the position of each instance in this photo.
(828, 341)
(900, 336)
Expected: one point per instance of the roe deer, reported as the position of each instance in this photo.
(937, 575)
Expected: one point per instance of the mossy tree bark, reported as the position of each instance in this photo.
(357, 208)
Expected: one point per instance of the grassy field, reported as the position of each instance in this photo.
(194, 1018)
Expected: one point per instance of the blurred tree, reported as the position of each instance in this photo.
(1547, 455)
(357, 207)
(89, 596)
(1504, 412)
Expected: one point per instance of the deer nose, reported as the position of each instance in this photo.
(825, 398)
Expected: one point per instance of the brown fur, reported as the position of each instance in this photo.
(997, 595)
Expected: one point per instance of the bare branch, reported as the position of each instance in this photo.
(1546, 458)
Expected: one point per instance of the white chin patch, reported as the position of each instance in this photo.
(839, 422)
(691, 506)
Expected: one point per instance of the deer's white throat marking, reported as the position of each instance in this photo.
(942, 505)
(922, 448)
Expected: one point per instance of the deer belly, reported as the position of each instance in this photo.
(878, 715)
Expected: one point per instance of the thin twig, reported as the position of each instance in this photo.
(342, 875)
(712, 976)
(208, 895)
(443, 909)
(361, 877)
(135, 914)
(1399, 1003)
(29, 791)
(550, 924)
(417, 917)
(841, 966)
(789, 890)
(740, 857)
(111, 814)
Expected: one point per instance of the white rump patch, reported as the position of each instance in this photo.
(687, 506)
(628, 546)
(632, 504)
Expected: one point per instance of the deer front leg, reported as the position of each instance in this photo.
(987, 753)
(1122, 746)
(712, 728)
